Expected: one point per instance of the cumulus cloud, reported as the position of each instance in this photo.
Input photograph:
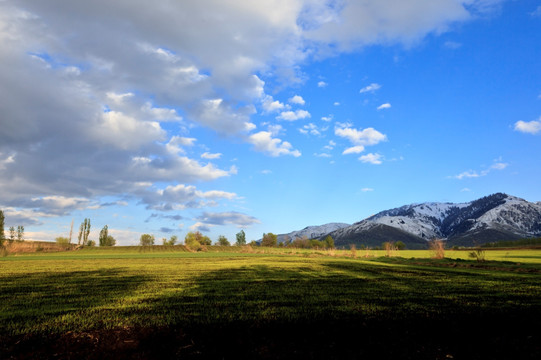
(293, 115)
(529, 127)
(264, 142)
(370, 88)
(270, 105)
(360, 23)
(297, 99)
(179, 197)
(359, 138)
(227, 218)
(322, 84)
(371, 159)
(384, 106)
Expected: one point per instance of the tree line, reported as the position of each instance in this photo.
(82, 239)
(14, 234)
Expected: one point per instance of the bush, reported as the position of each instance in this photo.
(437, 246)
(63, 241)
(478, 254)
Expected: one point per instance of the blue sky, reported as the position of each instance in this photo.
(219, 116)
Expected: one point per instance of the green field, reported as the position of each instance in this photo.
(169, 303)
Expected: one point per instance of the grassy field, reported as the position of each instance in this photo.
(166, 302)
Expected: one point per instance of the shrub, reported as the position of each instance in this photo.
(437, 247)
(389, 248)
(353, 250)
(478, 254)
(63, 241)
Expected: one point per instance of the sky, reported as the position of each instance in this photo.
(165, 117)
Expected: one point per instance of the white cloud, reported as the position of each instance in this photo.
(467, 174)
(297, 99)
(353, 150)
(371, 158)
(222, 117)
(367, 189)
(264, 142)
(465, 190)
(530, 127)
(327, 118)
(293, 115)
(370, 88)
(270, 105)
(497, 165)
(209, 156)
(126, 132)
(365, 137)
(536, 12)
(330, 145)
(336, 103)
(322, 155)
(322, 84)
(384, 106)
(311, 129)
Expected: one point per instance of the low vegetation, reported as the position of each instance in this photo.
(262, 302)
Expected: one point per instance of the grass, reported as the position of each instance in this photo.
(235, 294)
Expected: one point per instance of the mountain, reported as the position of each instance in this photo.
(491, 218)
(311, 232)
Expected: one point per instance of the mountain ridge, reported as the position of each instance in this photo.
(491, 218)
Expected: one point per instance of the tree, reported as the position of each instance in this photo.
(103, 236)
(400, 245)
(20, 233)
(84, 231)
(111, 241)
(172, 240)
(222, 241)
(191, 240)
(71, 231)
(269, 240)
(329, 242)
(241, 238)
(2, 235)
(12, 233)
(146, 240)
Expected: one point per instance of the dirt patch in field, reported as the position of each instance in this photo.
(27, 247)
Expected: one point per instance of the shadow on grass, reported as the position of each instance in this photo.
(346, 309)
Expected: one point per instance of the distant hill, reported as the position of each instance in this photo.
(311, 232)
(488, 219)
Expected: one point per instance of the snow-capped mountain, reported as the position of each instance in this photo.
(311, 232)
(491, 218)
